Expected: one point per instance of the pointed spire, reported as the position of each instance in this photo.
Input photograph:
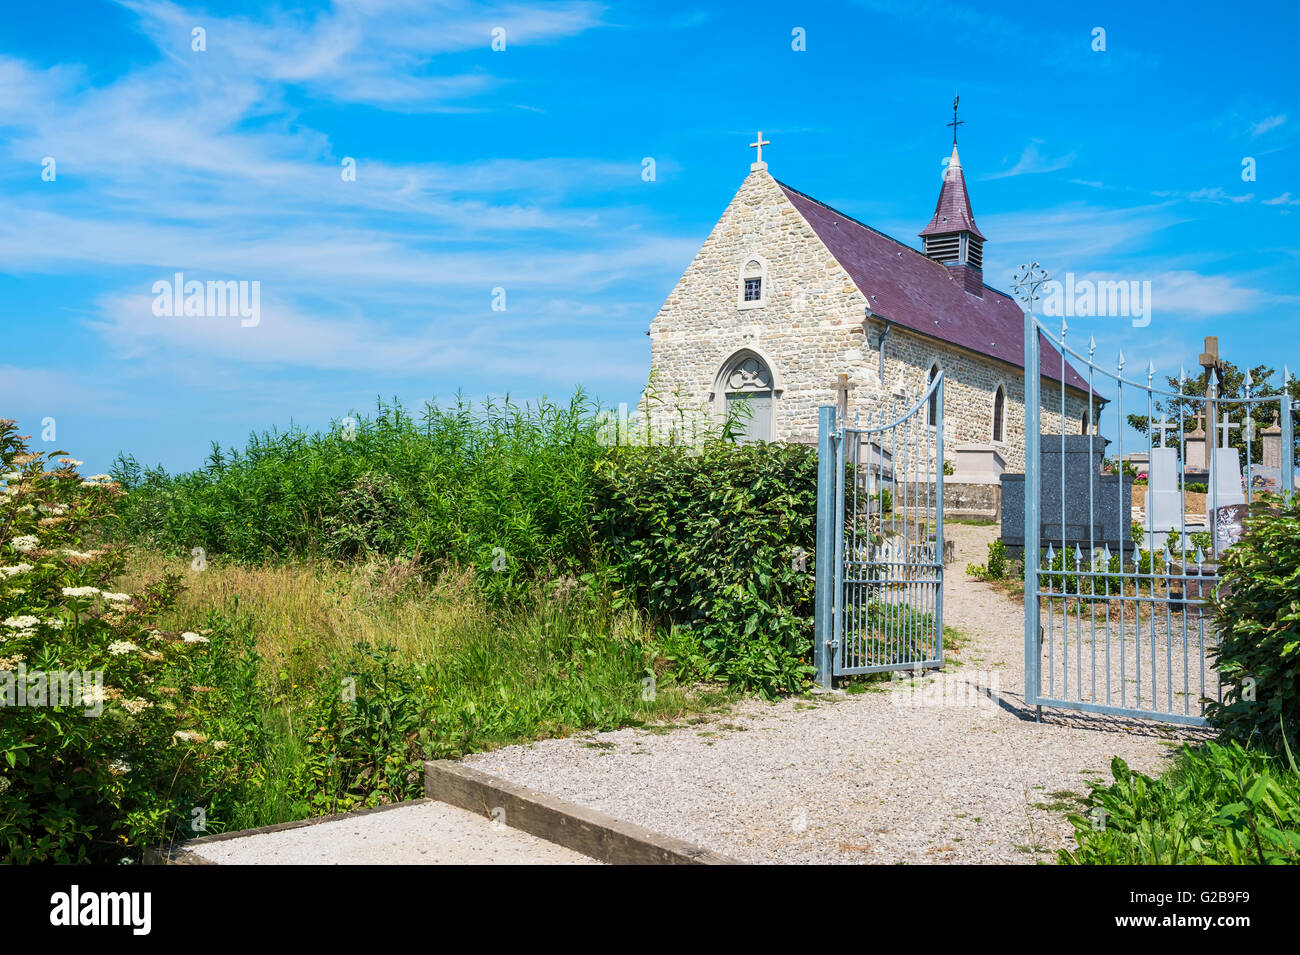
(952, 213)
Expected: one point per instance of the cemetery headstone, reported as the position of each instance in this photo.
(1101, 518)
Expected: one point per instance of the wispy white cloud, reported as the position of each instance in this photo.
(1218, 194)
(377, 52)
(1033, 161)
(1267, 123)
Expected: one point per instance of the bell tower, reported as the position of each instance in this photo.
(952, 238)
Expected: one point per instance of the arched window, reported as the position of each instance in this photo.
(746, 383)
(999, 412)
(752, 290)
(1086, 423)
(932, 411)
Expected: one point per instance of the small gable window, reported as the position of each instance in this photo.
(753, 283)
(999, 412)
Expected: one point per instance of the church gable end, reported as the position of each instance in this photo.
(763, 284)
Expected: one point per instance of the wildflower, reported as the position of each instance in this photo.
(26, 543)
(55, 510)
(119, 767)
(189, 736)
(13, 476)
(119, 647)
(79, 554)
(219, 744)
(26, 621)
(116, 598)
(190, 637)
(4, 783)
(71, 462)
(15, 570)
(80, 591)
(136, 706)
(92, 694)
(54, 623)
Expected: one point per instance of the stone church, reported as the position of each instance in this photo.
(787, 295)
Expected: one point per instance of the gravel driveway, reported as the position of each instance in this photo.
(951, 768)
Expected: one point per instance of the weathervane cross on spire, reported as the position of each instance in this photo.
(955, 121)
(759, 164)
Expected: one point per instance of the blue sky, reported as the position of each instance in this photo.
(522, 169)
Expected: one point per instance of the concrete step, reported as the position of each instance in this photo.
(466, 818)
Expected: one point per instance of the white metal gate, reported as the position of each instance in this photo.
(880, 539)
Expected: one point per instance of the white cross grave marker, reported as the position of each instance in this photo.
(1162, 427)
(1225, 426)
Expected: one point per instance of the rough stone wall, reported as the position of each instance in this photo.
(811, 330)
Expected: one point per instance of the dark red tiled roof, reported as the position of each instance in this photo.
(952, 211)
(913, 291)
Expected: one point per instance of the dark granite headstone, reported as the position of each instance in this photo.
(1103, 520)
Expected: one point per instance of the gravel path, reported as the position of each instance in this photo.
(950, 768)
(422, 833)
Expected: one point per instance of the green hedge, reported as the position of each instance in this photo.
(719, 540)
(1258, 618)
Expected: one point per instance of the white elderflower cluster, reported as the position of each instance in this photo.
(116, 598)
(15, 570)
(26, 543)
(80, 591)
(119, 647)
(136, 706)
(190, 637)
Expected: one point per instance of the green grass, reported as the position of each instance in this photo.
(437, 670)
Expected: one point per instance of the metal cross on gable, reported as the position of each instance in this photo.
(1225, 426)
(1161, 427)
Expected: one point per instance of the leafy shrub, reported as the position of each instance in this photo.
(504, 488)
(114, 759)
(720, 539)
(1217, 804)
(997, 568)
(1257, 609)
